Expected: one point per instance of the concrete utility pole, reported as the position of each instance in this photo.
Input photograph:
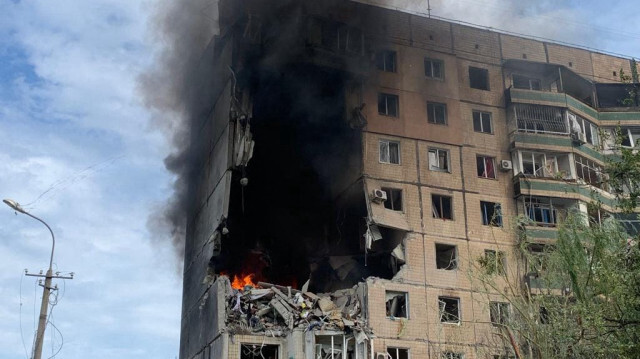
(44, 306)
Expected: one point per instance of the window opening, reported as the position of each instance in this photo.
(396, 304)
(491, 214)
(330, 346)
(451, 355)
(398, 353)
(541, 211)
(486, 166)
(478, 78)
(438, 160)
(390, 152)
(449, 310)
(526, 83)
(437, 113)
(441, 206)
(583, 130)
(539, 164)
(495, 262)
(630, 136)
(499, 313)
(394, 199)
(388, 104)
(386, 61)
(588, 171)
(446, 256)
(434, 69)
(482, 122)
(258, 351)
(540, 119)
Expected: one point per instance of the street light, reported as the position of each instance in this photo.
(42, 323)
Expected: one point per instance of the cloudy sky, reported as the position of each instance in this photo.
(79, 149)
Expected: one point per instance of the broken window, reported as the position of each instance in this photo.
(388, 104)
(434, 69)
(526, 83)
(437, 113)
(441, 207)
(588, 171)
(478, 78)
(491, 214)
(495, 261)
(446, 256)
(486, 166)
(451, 355)
(438, 160)
(449, 308)
(389, 152)
(398, 353)
(541, 211)
(329, 346)
(499, 313)
(258, 351)
(386, 60)
(394, 199)
(396, 304)
(583, 130)
(540, 119)
(630, 136)
(482, 122)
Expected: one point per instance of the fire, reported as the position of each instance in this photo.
(239, 282)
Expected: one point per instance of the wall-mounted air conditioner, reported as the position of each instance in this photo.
(379, 195)
(506, 165)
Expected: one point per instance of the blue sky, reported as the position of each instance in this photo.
(79, 149)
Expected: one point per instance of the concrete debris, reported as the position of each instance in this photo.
(277, 310)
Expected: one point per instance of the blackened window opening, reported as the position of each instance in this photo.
(449, 310)
(396, 304)
(478, 78)
(446, 256)
(394, 199)
(441, 207)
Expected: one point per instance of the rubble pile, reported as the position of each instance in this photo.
(275, 310)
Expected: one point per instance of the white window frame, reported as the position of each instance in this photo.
(482, 114)
(579, 125)
(430, 62)
(547, 166)
(433, 115)
(529, 79)
(536, 203)
(388, 143)
(484, 164)
(499, 306)
(397, 350)
(451, 355)
(436, 156)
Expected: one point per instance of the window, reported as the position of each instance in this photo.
(526, 83)
(486, 166)
(258, 351)
(583, 130)
(339, 37)
(390, 152)
(630, 137)
(446, 257)
(398, 353)
(438, 160)
(434, 69)
(451, 355)
(499, 313)
(394, 199)
(494, 262)
(537, 164)
(491, 214)
(482, 122)
(396, 304)
(449, 310)
(388, 104)
(589, 171)
(541, 211)
(478, 78)
(441, 206)
(540, 119)
(386, 61)
(437, 113)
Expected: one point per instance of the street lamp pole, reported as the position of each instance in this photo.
(44, 306)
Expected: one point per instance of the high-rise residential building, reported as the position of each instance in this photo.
(362, 159)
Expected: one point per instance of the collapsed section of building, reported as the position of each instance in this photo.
(351, 161)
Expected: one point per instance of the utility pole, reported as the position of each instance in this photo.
(48, 277)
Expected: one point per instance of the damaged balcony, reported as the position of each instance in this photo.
(547, 84)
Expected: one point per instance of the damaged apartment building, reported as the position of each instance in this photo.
(354, 161)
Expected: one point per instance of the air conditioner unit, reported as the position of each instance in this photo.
(506, 165)
(379, 196)
(579, 137)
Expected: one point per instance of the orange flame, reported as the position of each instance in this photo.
(239, 282)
